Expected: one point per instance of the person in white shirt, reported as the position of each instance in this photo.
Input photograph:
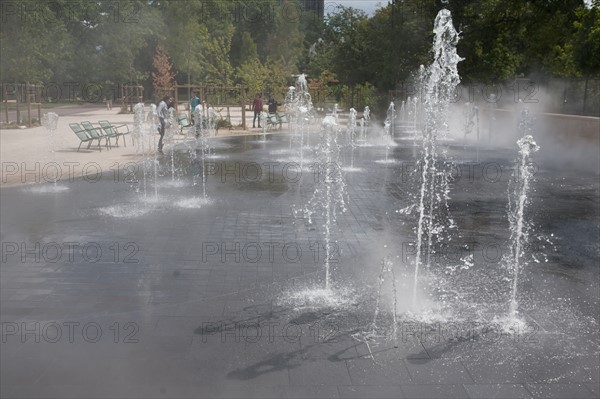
(163, 114)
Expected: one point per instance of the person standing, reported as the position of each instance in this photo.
(163, 114)
(257, 107)
(273, 105)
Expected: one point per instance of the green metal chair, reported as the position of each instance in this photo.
(96, 133)
(272, 121)
(282, 118)
(113, 131)
(83, 136)
(183, 121)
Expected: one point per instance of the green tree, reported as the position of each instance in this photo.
(586, 47)
(214, 59)
(253, 75)
(33, 44)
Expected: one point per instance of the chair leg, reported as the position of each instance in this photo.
(80, 143)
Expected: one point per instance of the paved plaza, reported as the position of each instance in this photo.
(130, 283)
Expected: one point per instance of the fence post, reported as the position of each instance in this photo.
(28, 114)
(585, 89)
(18, 113)
(243, 98)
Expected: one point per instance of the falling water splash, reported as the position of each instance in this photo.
(329, 196)
(517, 201)
(441, 79)
(142, 125)
(371, 333)
(387, 267)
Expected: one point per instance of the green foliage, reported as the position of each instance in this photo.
(261, 43)
(214, 59)
(33, 44)
(586, 47)
(252, 74)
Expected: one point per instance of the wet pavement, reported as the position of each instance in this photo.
(116, 286)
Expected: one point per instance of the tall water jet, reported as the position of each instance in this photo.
(491, 111)
(390, 119)
(471, 118)
(517, 202)
(50, 121)
(402, 114)
(212, 121)
(526, 121)
(199, 122)
(201, 134)
(416, 106)
(139, 131)
(299, 106)
(171, 132)
(387, 129)
(441, 80)
(262, 118)
(364, 123)
(351, 135)
(328, 199)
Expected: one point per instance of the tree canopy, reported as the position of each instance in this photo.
(262, 43)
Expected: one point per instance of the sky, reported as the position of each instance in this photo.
(368, 6)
